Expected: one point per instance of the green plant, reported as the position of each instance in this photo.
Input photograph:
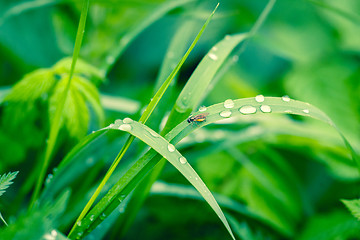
(274, 167)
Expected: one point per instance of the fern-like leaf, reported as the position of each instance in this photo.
(6, 181)
(353, 206)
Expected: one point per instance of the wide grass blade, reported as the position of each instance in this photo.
(56, 122)
(169, 152)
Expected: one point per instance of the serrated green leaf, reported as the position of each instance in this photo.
(353, 206)
(6, 181)
(38, 222)
(76, 115)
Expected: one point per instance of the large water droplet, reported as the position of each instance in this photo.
(226, 113)
(265, 108)
(125, 127)
(247, 110)
(259, 98)
(306, 111)
(127, 120)
(171, 148)
(182, 160)
(202, 109)
(92, 217)
(213, 56)
(229, 103)
(285, 98)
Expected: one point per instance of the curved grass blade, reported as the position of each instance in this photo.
(217, 112)
(169, 152)
(56, 122)
(144, 117)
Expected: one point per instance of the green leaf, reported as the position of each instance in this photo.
(353, 206)
(6, 181)
(169, 152)
(144, 117)
(37, 223)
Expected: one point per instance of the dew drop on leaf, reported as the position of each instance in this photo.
(225, 113)
(125, 127)
(306, 111)
(247, 110)
(171, 148)
(202, 109)
(229, 103)
(92, 217)
(285, 98)
(259, 98)
(182, 160)
(213, 56)
(265, 108)
(127, 120)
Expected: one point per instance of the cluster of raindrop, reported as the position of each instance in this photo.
(249, 109)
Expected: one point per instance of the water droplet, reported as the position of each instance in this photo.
(202, 109)
(49, 178)
(55, 170)
(235, 58)
(306, 111)
(102, 216)
(265, 108)
(54, 233)
(214, 48)
(226, 113)
(171, 148)
(259, 98)
(182, 160)
(118, 121)
(125, 127)
(285, 98)
(154, 134)
(127, 120)
(247, 110)
(111, 125)
(196, 178)
(93, 132)
(213, 56)
(92, 217)
(78, 223)
(79, 234)
(229, 103)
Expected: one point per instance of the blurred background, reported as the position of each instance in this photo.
(289, 173)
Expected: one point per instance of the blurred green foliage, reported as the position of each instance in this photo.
(290, 172)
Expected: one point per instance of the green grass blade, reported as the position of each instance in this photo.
(168, 151)
(131, 35)
(56, 123)
(353, 206)
(149, 109)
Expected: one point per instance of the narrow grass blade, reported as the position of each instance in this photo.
(168, 151)
(149, 109)
(353, 206)
(56, 123)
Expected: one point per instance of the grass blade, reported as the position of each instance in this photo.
(56, 123)
(149, 109)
